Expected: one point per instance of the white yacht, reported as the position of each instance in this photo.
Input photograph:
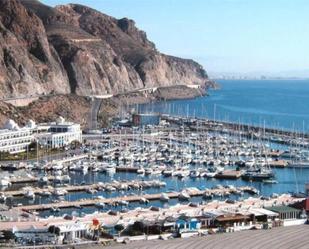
(164, 197)
(184, 196)
(5, 183)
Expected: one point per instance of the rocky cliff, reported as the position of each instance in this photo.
(73, 49)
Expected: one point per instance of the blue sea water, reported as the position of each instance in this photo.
(275, 103)
(289, 180)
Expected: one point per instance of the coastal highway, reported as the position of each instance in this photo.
(293, 237)
(93, 115)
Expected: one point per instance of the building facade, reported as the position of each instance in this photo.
(14, 139)
(60, 134)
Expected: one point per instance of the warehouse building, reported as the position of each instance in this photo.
(145, 119)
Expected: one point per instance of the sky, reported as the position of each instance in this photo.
(232, 36)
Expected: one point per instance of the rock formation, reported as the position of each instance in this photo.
(73, 49)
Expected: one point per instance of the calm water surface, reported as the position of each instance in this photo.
(277, 103)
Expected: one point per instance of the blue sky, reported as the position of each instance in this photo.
(223, 35)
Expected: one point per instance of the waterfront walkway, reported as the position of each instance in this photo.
(278, 238)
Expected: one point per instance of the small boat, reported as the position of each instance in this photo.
(183, 174)
(46, 193)
(184, 196)
(194, 174)
(5, 183)
(60, 192)
(3, 197)
(211, 174)
(143, 200)
(140, 171)
(110, 169)
(66, 178)
(258, 174)
(123, 203)
(29, 194)
(10, 167)
(43, 180)
(55, 209)
(148, 171)
(91, 191)
(167, 172)
(270, 181)
(207, 196)
(58, 179)
(99, 205)
(164, 197)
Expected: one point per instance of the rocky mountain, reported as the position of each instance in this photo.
(73, 49)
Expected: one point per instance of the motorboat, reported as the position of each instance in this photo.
(60, 192)
(184, 195)
(29, 193)
(46, 193)
(43, 180)
(140, 171)
(3, 197)
(100, 204)
(167, 172)
(164, 197)
(258, 174)
(194, 174)
(5, 183)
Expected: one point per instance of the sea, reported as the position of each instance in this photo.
(281, 104)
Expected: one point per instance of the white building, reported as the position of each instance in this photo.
(14, 139)
(59, 134)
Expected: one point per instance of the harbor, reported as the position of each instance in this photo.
(159, 166)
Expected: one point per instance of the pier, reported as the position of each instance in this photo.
(85, 188)
(136, 198)
(265, 133)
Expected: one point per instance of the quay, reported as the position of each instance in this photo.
(265, 133)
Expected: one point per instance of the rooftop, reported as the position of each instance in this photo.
(283, 238)
(282, 209)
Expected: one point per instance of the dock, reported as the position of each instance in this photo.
(136, 198)
(279, 164)
(29, 180)
(84, 188)
(229, 174)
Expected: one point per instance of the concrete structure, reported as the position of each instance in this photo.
(145, 119)
(14, 139)
(60, 134)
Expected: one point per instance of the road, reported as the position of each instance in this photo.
(93, 117)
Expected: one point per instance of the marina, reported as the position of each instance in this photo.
(108, 142)
(142, 163)
(203, 166)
